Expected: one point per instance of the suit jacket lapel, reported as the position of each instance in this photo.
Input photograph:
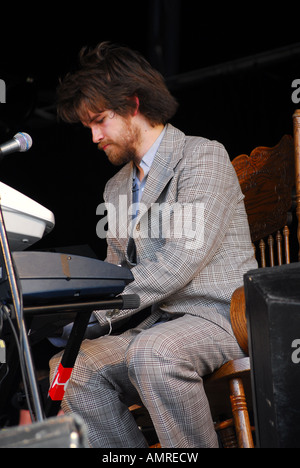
(162, 169)
(120, 198)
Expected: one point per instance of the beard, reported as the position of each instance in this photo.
(120, 155)
(121, 150)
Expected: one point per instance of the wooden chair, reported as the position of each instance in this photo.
(267, 179)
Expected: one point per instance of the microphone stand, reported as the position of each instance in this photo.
(19, 314)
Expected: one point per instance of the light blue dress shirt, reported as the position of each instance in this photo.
(146, 163)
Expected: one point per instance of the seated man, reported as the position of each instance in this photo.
(185, 237)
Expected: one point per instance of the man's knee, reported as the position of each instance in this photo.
(144, 354)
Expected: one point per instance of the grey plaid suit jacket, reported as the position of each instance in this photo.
(193, 265)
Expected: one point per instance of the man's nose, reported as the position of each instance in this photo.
(97, 134)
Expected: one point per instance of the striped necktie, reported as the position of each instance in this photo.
(135, 196)
(131, 248)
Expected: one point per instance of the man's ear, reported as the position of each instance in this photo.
(137, 105)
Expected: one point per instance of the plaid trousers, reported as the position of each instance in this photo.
(161, 366)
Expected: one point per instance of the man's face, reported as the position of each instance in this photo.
(117, 136)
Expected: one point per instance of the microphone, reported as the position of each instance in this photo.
(20, 142)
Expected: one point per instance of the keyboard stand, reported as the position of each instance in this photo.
(18, 309)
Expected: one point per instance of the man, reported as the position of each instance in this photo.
(186, 239)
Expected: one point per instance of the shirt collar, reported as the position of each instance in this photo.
(148, 158)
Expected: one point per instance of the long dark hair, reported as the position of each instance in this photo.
(110, 77)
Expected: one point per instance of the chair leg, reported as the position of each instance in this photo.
(240, 413)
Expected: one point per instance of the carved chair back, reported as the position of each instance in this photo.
(267, 179)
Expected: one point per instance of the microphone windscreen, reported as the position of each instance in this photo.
(24, 140)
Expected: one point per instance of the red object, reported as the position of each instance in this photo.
(60, 383)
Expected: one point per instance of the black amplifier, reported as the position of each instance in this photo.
(273, 315)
